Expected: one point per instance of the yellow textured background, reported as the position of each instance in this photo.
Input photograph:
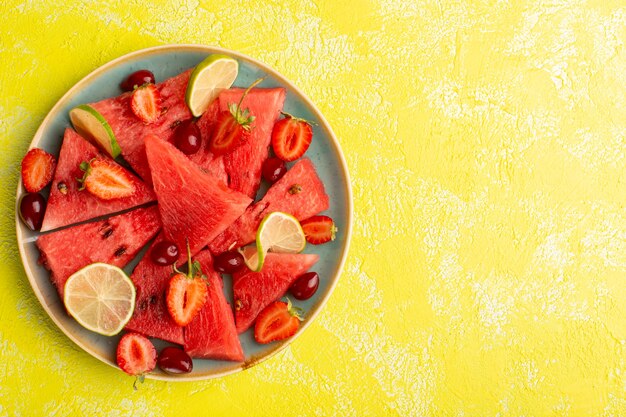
(486, 142)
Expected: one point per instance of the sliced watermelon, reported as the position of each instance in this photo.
(151, 317)
(242, 167)
(129, 130)
(194, 206)
(253, 291)
(115, 241)
(308, 201)
(212, 333)
(68, 205)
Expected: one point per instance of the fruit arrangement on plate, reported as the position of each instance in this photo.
(199, 180)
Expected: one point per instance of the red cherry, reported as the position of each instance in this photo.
(228, 262)
(273, 169)
(32, 209)
(137, 79)
(187, 137)
(164, 253)
(173, 360)
(305, 286)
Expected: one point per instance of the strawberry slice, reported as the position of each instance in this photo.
(291, 137)
(146, 103)
(185, 298)
(186, 293)
(319, 229)
(277, 321)
(37, 169)
(232, 128)
(106, 179)
(136, 355)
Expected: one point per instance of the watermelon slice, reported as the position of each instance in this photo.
(151, 317)
(242, 167)
(114, 241)
(129, 130)
(212, 333)
(194, 206)
(310, 200)
(68, 205)
(253, 291)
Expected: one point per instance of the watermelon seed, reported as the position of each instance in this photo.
(107, 233)
(120, 251)
(295, 189)
(62, 188)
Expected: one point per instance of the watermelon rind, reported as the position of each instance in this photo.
(90, 124)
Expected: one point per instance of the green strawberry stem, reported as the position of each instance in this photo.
(243, 117)
(86, 168)
(193, 268)
(294, 311)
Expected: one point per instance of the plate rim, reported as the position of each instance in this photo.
(190, 47)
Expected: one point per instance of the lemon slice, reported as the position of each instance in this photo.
(210, 77)
(100, 297)
(278, 232)
(91, 125)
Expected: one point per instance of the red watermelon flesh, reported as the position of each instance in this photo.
(68, 205)
(115, 241)
(310, 200)
(130, 130)
(151, 317)
(242, 167)
(212, 333)
(253, 291)
(194, 206)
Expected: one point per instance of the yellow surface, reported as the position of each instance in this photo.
(486, 141)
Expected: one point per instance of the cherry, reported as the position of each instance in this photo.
(137, 79)
(228, 262)
(187, 137)
(32, 209)
(164, 253)
(305, 286)
(273, 169)
(173, 360)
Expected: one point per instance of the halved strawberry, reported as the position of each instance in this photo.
(146, 103)
(277, 321)
(291, 137)
(232, 127)
(319, 229)
(185, 298)
(106, 179)
(37, 169)
(136, 355)
(186, 293)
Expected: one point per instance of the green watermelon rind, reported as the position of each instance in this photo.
(109, 143)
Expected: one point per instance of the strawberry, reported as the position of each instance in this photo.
(37, 169)
(319, 229)
(106, 179)
(232, 128)
(136, 355)
(186, 293)
(146, 103)
(277, 321)
(291, 137)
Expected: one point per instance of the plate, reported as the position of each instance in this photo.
(164, 62)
